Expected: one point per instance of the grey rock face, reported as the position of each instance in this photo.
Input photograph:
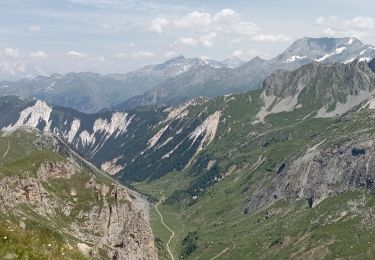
(328, 90)
(117, 226)
(323, 170)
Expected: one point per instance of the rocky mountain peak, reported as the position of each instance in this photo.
(326, 50)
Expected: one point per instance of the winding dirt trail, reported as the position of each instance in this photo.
(220, 254)
(6, 152)
(165, 225)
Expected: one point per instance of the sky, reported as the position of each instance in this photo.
(108, 36)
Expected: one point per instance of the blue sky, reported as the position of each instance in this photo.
(120, 35)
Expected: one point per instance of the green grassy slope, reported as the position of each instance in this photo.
(339, 227)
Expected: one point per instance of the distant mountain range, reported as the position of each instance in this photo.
(91, 92)
(180, 79)
(210, 82)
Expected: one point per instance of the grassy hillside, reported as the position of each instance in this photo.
(206, 208)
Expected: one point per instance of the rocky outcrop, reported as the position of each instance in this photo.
(323, 170)
(102, 215)
(324, 90)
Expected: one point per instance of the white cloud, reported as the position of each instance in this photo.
(356, 23)
(135, 55)
(188, 41)
(77, 55)
(358, 26)
(194, 20)
(35, 28)
(106, 27)
(367, 23)
(206, 40)
(170, 54)
(330, 32)
(142, 55)
(271, 38)
(226, 16)
(158, 25)
(11, 53)
(246, 28)
(121, 55)
(225, 23)
(38, 54)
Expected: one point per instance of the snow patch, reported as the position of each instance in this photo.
(294, 58)
(185, 68)
(366, 59)
(337, 51)
(349, 61)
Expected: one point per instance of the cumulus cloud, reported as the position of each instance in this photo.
(206, 40)
(187, 41)
(38, 54)
(135, 55)
(11, 52)
(226, 16)
(355, 27)
(194, 20)
(170, 54)
(76, 54)
(366, 23)
(271, 38)
(158, 24)
(35, 28)
(224, 23)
